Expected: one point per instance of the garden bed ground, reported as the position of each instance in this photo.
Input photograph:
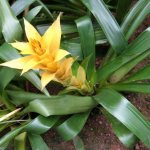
(97, 133)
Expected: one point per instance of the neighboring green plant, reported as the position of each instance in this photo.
(85, 25)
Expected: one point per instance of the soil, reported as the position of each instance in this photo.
(97, 134)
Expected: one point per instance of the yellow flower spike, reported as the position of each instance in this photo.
(58, 71)
(41, 50)
(79, 82)
(63, 73)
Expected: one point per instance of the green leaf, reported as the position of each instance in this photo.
(4, 141)
(122, 7)
(45, 9)
(125, 112)
(72, 126)
(35, 80)
(38, 126)
(123, 70)
(37, 142)
(20, 141)
(124, 135)
(11, 27)
(78, 143)
(41, 124)
(61, 105)
(66, 28)
(87, 40)
(20, 5)
(32, 13)
(73, 48)
(142, 74)
(135, 17)
(132, 87)
(132, 20)
(7, 74)
(136, 48)
(6, 101)
(22, 97)
(108, 24)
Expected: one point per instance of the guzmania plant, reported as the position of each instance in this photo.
(67, 57)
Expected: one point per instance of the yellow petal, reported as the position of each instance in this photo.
(51, 38)
(52, 67)
(46, 77)
(17, 63)
(66, 66)
(30, 64)
(25, 48)
(81, 74)
(31, 32)
(61, 54)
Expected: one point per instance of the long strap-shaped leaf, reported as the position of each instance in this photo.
(20, 5)
(20, 141)
(38, 126)
(87, 39)
(123, 70)
(132, 20)
(61, 105)
(37, 142)
(135, 17)
(6, 74)
(121, 131)
(41, 124)
(108, 23)
(32, 13)
(22, 97)
(132, 87)
(11, 27)
(136, 48)
(142, 74)
(125, 112)
(122, 7)
(72, 126)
